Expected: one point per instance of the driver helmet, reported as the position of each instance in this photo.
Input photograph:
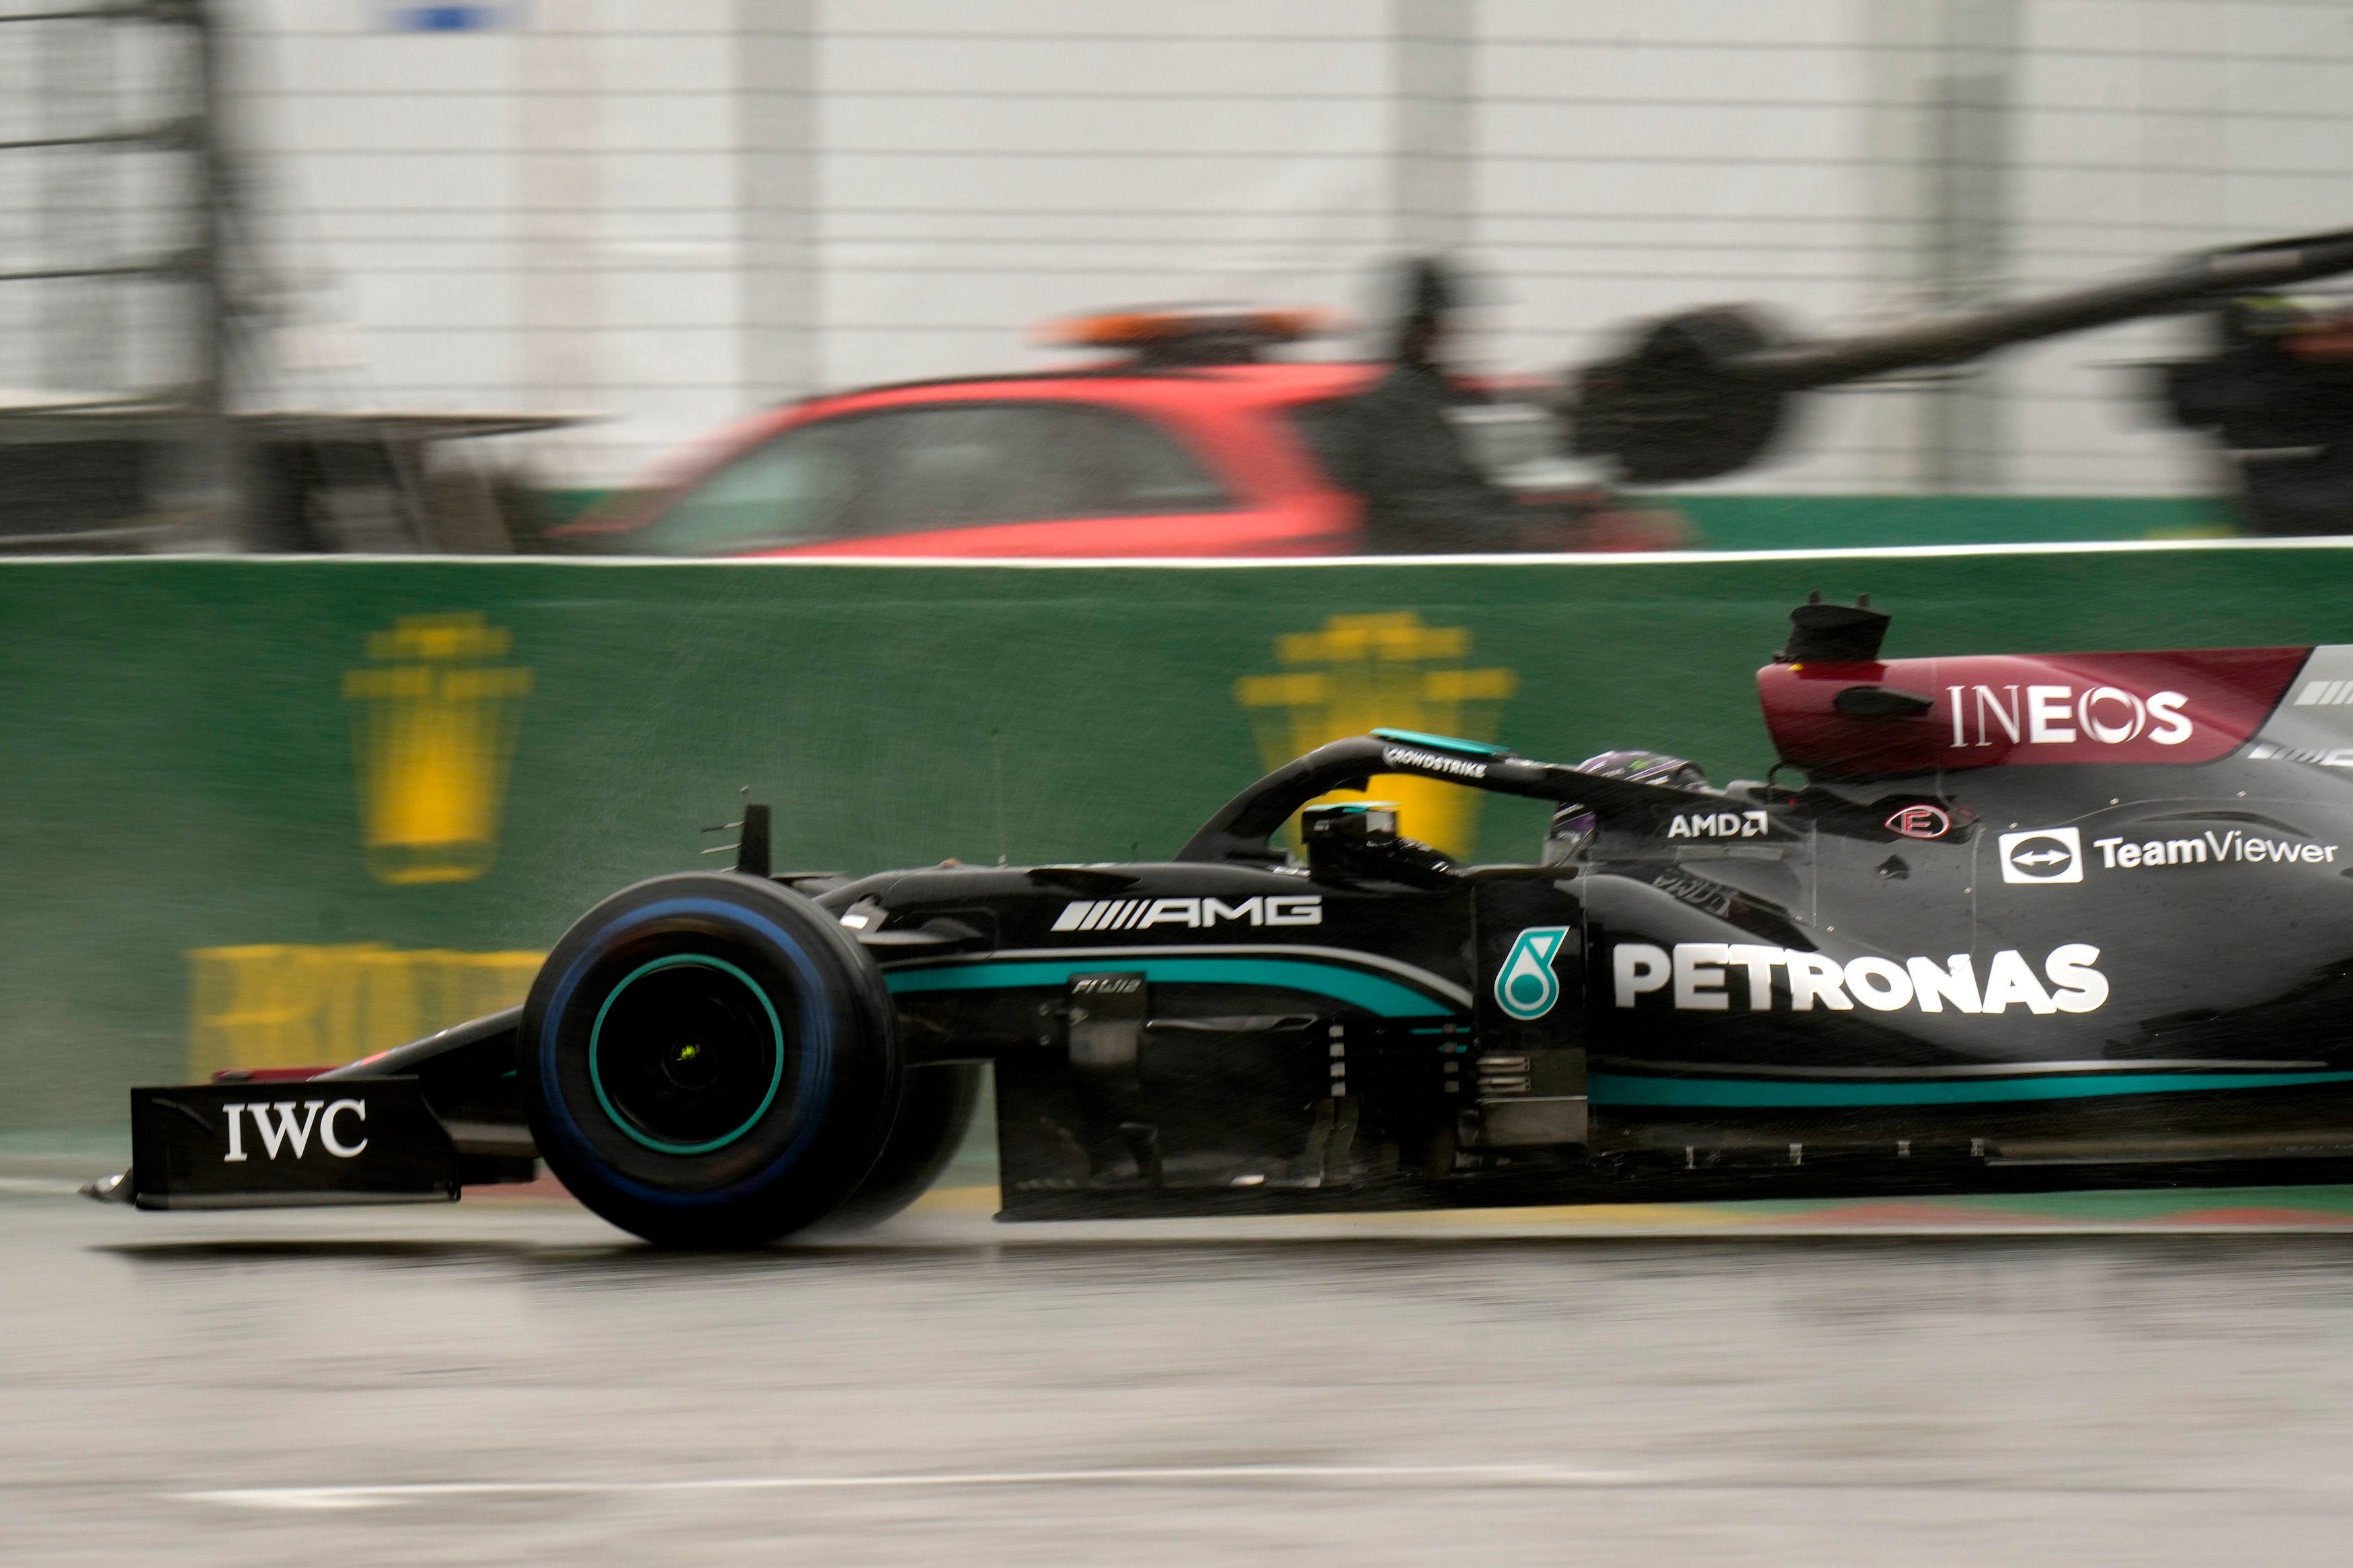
(1573, 824)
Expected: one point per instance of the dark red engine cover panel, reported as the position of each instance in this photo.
(2192, 706)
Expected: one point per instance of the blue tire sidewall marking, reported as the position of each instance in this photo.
(815, 1083)
(775, 1035)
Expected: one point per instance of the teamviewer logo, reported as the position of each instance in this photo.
(2043, 855)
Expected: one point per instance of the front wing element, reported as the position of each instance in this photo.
(265, 1145)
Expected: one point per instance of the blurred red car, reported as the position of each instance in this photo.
(1191, 447)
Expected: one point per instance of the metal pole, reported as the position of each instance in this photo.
(1962, 439)
(208, 272)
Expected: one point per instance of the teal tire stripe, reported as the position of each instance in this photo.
(775, 1044)
(1370, 992)
(1619, 1088)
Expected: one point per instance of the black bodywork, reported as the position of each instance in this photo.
(1996, 971)
(1142, 1071)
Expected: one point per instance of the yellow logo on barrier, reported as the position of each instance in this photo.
(431, 740)
(291, 1005)
(1383, 671)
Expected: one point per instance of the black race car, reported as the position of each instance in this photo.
(2028, 921)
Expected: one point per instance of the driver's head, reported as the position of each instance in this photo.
(1573, 824)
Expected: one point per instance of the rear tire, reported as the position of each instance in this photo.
(708, 1060)
(936, 1106)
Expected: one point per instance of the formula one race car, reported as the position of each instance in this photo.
(2033, 921)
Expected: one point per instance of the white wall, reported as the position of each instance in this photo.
(2147, 128)
(556, 216)
(65, 207)
(546, 217)
(1633, 159)
(678, 210)
(991, 165)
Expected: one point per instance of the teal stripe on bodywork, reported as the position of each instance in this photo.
(1370, 992)
(1443, 742)
(1619, 1088)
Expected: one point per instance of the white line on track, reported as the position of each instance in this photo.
(320, 1497)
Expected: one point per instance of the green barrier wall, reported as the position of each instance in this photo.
(1868, 522)
(423, 770)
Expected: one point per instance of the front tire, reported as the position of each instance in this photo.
(708, 1060)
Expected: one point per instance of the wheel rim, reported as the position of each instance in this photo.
(686, 1054)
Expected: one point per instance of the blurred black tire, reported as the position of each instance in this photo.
(936, 1106)
(708, 1060)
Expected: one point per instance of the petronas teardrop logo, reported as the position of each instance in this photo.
(1526, 987)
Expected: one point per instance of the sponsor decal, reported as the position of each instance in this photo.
(1720, 825)
(1105, 984)
(2002, 710)
(1432, 761)
(434, 719)
(2056, 854)
(1697, 891)
(1923, 821)
(287, 1131)
(285, 1004)
(2332, 757)
(2325, 694)
(1195, 914)
(2055, 715)
(1525, 987)
(1705, 977)
(2043, 855)
(2121, 854)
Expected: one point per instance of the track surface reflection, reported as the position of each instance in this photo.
(504, 1383)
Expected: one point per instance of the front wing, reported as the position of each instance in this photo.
(263, 1145)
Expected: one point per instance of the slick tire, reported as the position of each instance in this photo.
(708, 1060)
(935, 1105)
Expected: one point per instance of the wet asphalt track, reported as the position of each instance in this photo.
(524, 1386)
